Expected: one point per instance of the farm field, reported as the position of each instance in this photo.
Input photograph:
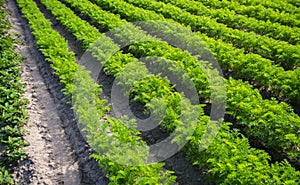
(183, 92)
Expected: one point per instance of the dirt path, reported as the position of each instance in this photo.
(49, 149)
(50, 158)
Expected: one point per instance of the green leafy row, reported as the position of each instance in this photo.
(64, 63)
(281, 52)
(259, 12)
(13, 113)
(259, 69)
(159, 48)
(145, 90)
(282, 6)
(137, 49)
(244, 23)
(252, 67)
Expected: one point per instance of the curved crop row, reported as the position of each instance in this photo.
(259, 12)
(145, 91)
(283, 53)
(229, 17)
(241, 91)
(144, 49)
(282, 6)
(12, 104)
(55, 49)
(250, 67)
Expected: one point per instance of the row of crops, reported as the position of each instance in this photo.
(270, 63)
(268, 10)
(234, 88)
(12, 105)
